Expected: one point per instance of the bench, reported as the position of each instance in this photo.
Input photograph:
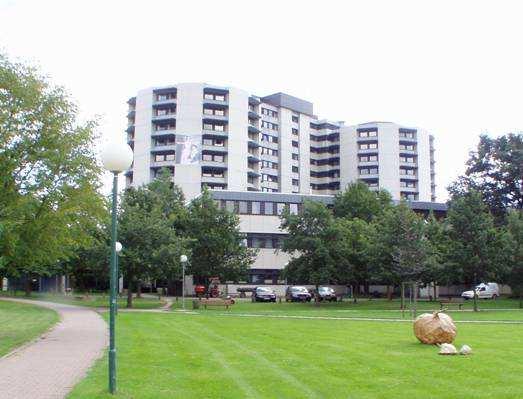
(216, 302)
(451, 301)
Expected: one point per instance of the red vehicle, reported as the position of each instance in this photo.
(199, 290)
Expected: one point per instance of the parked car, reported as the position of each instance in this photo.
(264, 294)
(484, 291)
(327, 294)
(297, 294)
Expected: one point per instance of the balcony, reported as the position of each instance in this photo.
(411, 190)
(214, 133)
(409, 177)
(214, 149)
(367, 139)
(368, 151)
(214, 179)
(215, 164)
(409, 164)
(130, 128)
(213, 118)
(131, 114)
(128, 172)
(165, 101)
(163, 148)
(164, 117)
(253, 115)
(253, 157)
(408, 152)
(163, 133)
(211, 101)
(373, 176)
(252, 173)
(162, 164)
(254, 100)
(253, 143)
(253, 129)
(368, 163)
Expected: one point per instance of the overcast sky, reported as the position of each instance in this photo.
(454, 68)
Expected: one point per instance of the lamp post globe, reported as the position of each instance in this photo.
(183, 258)
(117, 157)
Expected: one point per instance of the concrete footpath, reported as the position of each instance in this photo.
(50, 366)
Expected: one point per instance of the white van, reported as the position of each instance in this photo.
(485, 291)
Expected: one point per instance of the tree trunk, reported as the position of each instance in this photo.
(138, 289)
(130, 294)
(520, 298)
(402, 291)
(389, 293)
(354, 296)
(435, 292)
(28, 286)
(317, 296)
(475, 294)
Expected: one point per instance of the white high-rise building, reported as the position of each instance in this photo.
(228, 139)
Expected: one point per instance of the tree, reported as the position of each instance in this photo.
(310, 240)
(477, 249)
(218, 248)
(515, 235)
(401, 247)
(358, 201)
(495, 170)
(352, 252)
(438, 271)
(49, 177)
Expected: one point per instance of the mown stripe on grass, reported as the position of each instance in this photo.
(291, 379)
(218, 356)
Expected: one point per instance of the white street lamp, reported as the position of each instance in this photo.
(116, 158)
(183, 260)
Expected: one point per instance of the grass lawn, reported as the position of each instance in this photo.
(205, 355)
(20, 323)
(93, 300)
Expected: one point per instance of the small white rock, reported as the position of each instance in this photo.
(465, 350)
(447, 349)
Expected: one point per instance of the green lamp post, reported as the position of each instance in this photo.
(115, 158)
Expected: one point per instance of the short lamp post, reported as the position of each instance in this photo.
(183, 260)
(115, 158)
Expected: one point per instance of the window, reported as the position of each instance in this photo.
(213, 111)
(368, 146)
(407, 134)
(269, 151)
(407, 159)
(295, 169)
(368, 158)
(409, 196)
(407, 172)
(269, 112)
(270, 178)
(293, 208)
(165, 126)
(164, 157)
(255, 208)
(295, 143)
(269, 165)
(212, 96)
(408, 183)
(295, 182)
(372, 133)
(165, 111)
(409, 147)
(368, 171)
(269, 208)
(295, 131)
(295, 157)
(269, 125)
(295, 118)
(165, 97)
(212, 157)
(269, 139)
(280, 208)
(214, 126)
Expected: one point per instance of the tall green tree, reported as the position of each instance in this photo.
(49, 177)
(217, 246)
(358, 201)
(477, 248)
(401, 247)
(310, 241)
(495, 170)
(515, 247)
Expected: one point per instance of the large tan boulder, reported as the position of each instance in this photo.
(435, 328)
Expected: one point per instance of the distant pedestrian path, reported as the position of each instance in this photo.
(50, 366)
